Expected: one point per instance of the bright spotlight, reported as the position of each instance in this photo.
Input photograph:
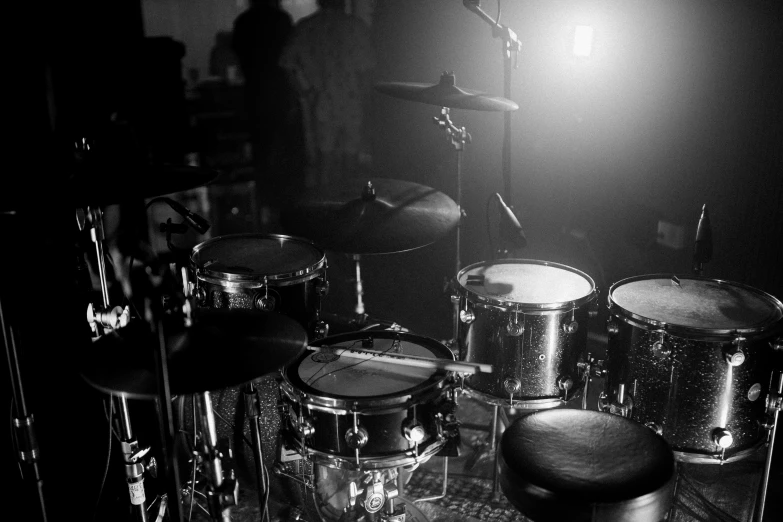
(583, 40)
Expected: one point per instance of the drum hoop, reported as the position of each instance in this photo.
(377, 404)
(402, 458)
(694, 331)
(500, 304)
(714, 458)
(229, 277)
(232, 284)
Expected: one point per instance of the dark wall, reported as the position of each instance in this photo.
(678, 106)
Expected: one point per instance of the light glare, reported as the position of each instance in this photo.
(583, 40)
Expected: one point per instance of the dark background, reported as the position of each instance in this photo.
(679, 106)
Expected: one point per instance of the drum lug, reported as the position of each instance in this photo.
(321, 330)
(660, 348)
(570, 327)
(304, 427)
(512, 385)
(514, 329)
(565, 383)
(777, 344)
(413, 430)
(735, 355)
(722, 438)
(623, 404)
(201, 295)
(467, 316)
(612, 328)
(265, 303)
(322, 287)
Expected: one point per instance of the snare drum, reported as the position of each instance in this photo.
(693, 359)
(365, 414)
(267, 272)
(528, 319)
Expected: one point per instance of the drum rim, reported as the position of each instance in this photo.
(634, 319)
(521, 306)
(217, 276)
(317, 399)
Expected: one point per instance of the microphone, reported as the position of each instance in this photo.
(198, 223)
(510, 229)
(703, 245)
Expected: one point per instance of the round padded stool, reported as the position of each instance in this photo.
(575, 465)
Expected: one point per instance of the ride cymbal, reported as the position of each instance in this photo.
(379, 216)
(445, 93)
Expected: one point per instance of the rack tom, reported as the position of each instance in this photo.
(528, 319)
(690, 358)
(269, 272)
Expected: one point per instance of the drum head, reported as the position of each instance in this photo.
(699, 304)
(256, 256)
(343, 378)
(539, 284)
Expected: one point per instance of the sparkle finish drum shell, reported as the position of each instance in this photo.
(529, 320)
(694, 357)
(272, 272)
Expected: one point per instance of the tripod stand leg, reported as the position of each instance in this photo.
(253, 412)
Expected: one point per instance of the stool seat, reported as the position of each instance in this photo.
(575, 465)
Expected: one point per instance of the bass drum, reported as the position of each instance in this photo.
(528, 319)
(690, 358)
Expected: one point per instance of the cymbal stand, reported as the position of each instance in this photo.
(222, 488)
(774, 405)
(25, 439)
(459, 137)
(359, 309)
(103, 318)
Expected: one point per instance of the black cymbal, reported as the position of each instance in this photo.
(377, 216)
(446, 94)
(104, 184)
(223, 348)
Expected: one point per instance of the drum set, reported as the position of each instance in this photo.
(342, 419)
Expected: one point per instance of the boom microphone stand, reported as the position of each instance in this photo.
(511, 48)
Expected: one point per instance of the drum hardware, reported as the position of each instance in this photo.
(622, 404)
(23, 432)
(774, 404)
(735, 354)
(222, 486)
(590, 368)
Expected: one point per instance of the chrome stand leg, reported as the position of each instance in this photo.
(773, 405)
(445, 483)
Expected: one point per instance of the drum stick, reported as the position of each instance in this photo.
(407, 360)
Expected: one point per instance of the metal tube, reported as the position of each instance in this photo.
(768, 461)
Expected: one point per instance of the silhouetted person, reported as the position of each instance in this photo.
(329, 61)
(259, 35)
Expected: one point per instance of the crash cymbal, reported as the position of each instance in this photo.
(377, 216)
(223, 348)
(106, 185)
(445, 93)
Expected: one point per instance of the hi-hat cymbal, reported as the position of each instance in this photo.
(223, 348)
(107, 185)
(378, 216)
(445, 93)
